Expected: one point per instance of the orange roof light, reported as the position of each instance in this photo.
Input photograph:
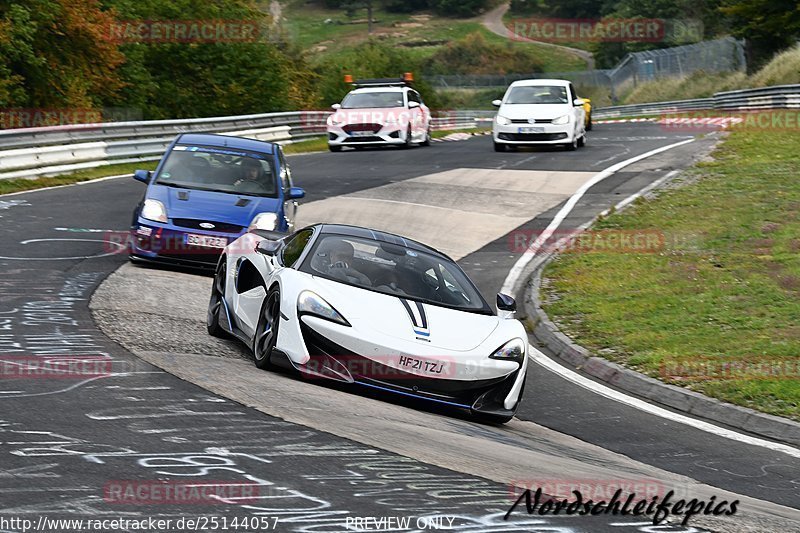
(408, 76)
(348, 78)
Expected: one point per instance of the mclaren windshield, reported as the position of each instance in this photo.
(220, 170)
(394, 270)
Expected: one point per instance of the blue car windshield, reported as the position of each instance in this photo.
(218, 170)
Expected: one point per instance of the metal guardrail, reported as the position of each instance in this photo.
(32, 152)
(775, 97)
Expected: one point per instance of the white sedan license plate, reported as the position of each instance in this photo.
(362, 134)
(206, 241)
(532, 129)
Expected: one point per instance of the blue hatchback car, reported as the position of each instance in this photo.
(207, 191)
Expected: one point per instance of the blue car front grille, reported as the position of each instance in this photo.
(222, 227)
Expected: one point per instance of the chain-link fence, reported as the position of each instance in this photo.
(721, 55)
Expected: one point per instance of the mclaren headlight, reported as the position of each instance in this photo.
(266, 221)
(502, 121)
(311, 303)
(513, 350)
(154, 210)
(563, 119)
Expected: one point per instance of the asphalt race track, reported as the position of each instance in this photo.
(316, 454)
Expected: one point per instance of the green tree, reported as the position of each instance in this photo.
(55, 54)
(768, 25)
(203, 78)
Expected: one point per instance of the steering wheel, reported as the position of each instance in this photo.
(351, 275)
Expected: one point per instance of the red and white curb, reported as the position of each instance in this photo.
(722, 122)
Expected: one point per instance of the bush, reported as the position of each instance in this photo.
(370, 59)
(475, 55)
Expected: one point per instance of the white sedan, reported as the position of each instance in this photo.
(374, 310)
(539, 112)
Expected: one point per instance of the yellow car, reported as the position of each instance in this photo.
(587, 108)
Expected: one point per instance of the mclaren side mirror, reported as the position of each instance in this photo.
(506, 303)
(268, 247)
(142, 175)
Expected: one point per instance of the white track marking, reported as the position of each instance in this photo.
(509, 285)
(541, 359)
(121, 248)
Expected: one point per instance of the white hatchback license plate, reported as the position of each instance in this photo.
(362, 134)
(206, 241)
(532, 129)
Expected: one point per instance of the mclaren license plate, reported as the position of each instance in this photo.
(413, 363)
(206, 241)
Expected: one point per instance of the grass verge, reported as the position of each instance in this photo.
(716, 308)
(444, 133)
(25, 184)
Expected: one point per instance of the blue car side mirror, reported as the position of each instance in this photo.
(142, 175)
(295, 193)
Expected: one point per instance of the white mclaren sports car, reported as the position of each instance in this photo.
(373, 310)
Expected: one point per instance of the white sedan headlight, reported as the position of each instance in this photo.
(266, 221)
(154, 210)
(513, 350)
(502, 121)
(311, 303)
(334, 121)
(564, 119)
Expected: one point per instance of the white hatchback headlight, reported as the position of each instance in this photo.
(311, 303)
(154, 210)
(564, 119)
(513, 350)
(502, 121)
(266, 221)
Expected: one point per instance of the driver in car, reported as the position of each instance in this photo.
(252, 176)
(557, 94)
(341, 256)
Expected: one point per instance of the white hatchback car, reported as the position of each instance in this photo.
(539, 112)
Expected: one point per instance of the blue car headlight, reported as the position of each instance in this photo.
(311, 303)
(265, 221)
(154, 210)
